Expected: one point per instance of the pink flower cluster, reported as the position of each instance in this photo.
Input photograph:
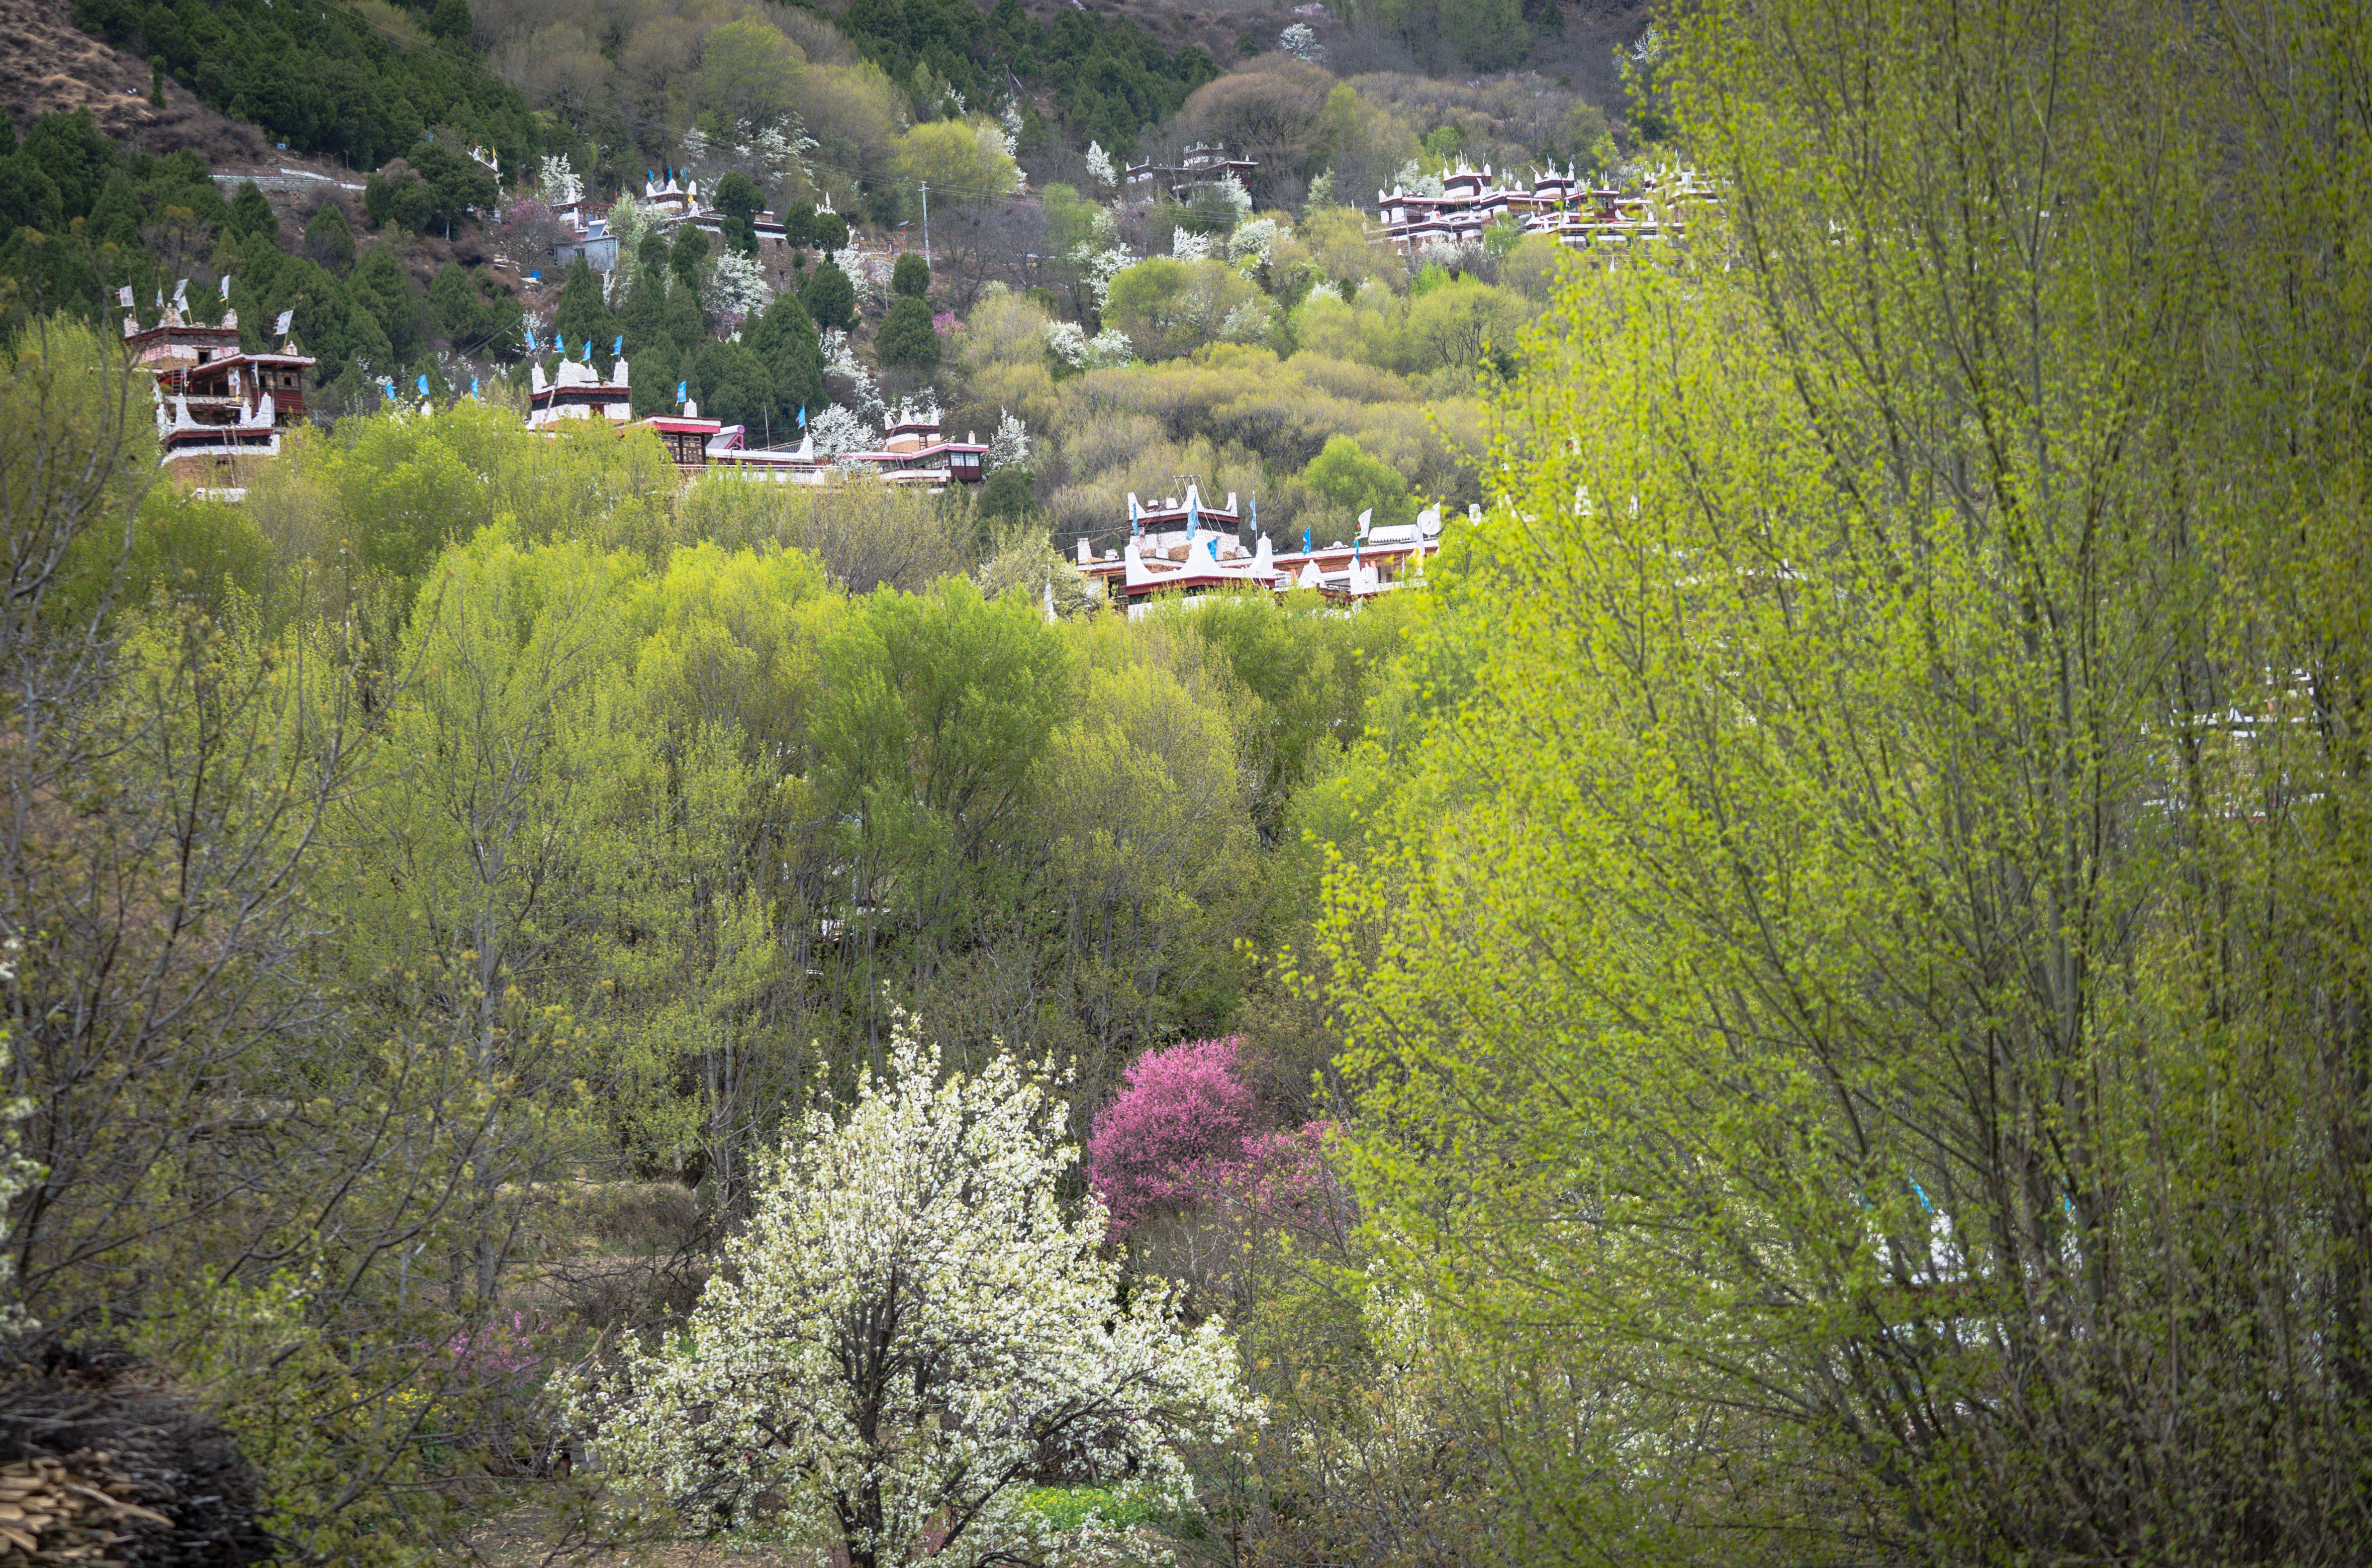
(946, 322)
(1181, 1133)
(1180, 1114)
(499, 1349)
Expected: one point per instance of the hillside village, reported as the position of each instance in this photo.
(1079, 783)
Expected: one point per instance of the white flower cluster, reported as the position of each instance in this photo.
(1415, 182)
(1097, 268)
(1247, 322)
(993, 136)
(17, 1172)
(1451, 258)
(1100, 167)
(1240, 201)
(1187, 247)
(1071, 345)
(778, 150)
(557, 181)
(839, 430)
(1250, 245)
(736, 287)
(695, 144)
(868, 274)
(908, 1327)
(1009, 447)
(1300, 41)
(840, 359)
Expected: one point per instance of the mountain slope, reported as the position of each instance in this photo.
(50, 66)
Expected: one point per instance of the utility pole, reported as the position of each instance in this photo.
(927, 223)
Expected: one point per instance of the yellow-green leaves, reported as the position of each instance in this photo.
(1789, 984)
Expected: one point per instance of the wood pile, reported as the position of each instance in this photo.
(67, 1510)
(100, 1464)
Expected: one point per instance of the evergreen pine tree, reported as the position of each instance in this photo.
(830, 298)
(251, 215)
(787, 343)
(907, 339)
(582, 314)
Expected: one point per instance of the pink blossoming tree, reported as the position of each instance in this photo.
(1181, 1119)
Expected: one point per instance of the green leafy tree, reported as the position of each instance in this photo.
(449, 22)
(911, 276)
(1348, 477)
(75, 153)
(1804, 1015)
(685, 254)
(732, 382)
(381, 285)
(1008, 495)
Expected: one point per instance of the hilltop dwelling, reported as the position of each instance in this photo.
(669, 198)
(1205, 163)
(1179, 549)
(1552, 204)
(217, 406)
(912, 454)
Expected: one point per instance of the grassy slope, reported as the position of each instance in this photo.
(48, 64)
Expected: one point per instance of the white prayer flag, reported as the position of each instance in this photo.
(279, 328)
(123, 297)
(225, 286)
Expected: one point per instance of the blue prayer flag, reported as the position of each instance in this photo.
(803, 418)
(423, 384)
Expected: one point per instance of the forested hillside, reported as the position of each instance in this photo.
(1796, 993)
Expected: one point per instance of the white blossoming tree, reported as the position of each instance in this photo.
(1099, 165)
(1009, 447)
(1070, 343)
(1251, 242)
(736, 286)
(1300, 41)
(557, 181)
(1238, 200)
(839, 430)
(910, 1334)
(840, 359)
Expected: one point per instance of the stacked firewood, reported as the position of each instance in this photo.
(101, 1462)
(68, 1510)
